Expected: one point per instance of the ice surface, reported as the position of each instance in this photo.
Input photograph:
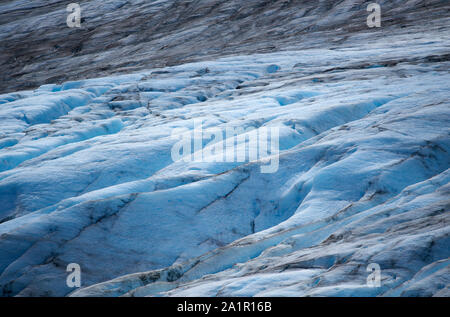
(87, 177)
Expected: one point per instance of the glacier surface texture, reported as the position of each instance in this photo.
(87, 173)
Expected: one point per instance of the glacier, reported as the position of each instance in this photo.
(87, 176)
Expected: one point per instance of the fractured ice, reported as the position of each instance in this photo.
(87, 176)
